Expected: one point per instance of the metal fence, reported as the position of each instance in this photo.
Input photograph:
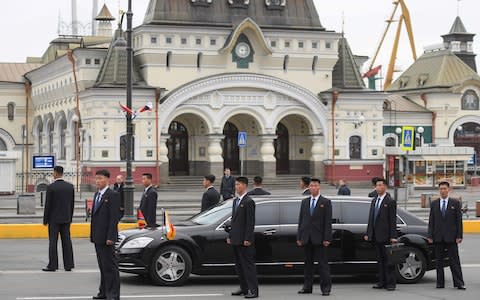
(38, 181)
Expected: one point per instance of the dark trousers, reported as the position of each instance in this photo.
(109, 276)
(246, 268)
(67, 252)
(455, 268)
(316, 253)
(386, 273)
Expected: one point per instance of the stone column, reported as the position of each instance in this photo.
(214, 153)
(268, 162)
(317, 167)
(163, 158)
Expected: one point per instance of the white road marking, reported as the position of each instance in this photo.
(123, 297)
(13, 272)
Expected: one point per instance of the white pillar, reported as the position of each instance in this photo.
(317, 167)
(268, 167)
(214, 153)
(163, 157)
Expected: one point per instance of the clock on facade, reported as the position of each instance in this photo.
(242, 50)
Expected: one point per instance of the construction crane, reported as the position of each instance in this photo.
(403, 19)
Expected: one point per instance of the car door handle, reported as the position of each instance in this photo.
(270, 232)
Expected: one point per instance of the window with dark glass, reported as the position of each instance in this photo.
(11, 111)
(266, 213)
(355, 147)
(470, 100)
(390, 142)
(355, 213)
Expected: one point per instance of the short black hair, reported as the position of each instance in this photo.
(148, 175)
(382, 180)
(103, 172)
(210, 178)
(315, 180)
(58, 170)
(257, 179)
(443, 182)
(242, 179)
(306, 180)
(374, 180)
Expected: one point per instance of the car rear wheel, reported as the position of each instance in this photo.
(414, 267)
(171, 265)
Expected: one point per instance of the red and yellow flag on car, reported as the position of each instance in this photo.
(170, 231)
(140, 219)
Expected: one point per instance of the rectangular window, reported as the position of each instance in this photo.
(213, 42)
(287, 44)
(198, 41)
(300, 44)
(328, 45)
(149, 153)
(97, 61)
(273, 44)
(314, 45)
(183, 41)
(104, 153)
(153, 40)
(168, 40)
(88, 61)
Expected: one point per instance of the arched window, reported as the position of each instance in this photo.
(390, 142)
(470, 100)
(11, 111)
(199, 60)
(123, 148)
(355, 147)
(3, 145)
(169, 58)
(314, 63)
(285, 62)
(63, 129)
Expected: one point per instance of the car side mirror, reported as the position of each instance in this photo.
(227, 226)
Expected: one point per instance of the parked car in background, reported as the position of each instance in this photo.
(200, 248)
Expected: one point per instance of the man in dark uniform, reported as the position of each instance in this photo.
(104, 234)
(148, 204)
(343, 188)
(257, 187)
(58, 213)
(314, 235)
(445, 231)
(210, 197)
(242, 238)
(118, 187)
(227, 187)
(382, 231)
(304, 184)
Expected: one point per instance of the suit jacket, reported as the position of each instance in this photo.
(227, 187)
(59, 203)
(449, 228)
(148, 206)
(384, 227)
(317, 227)
(119, 189)
(210, 198)
(104, 219)
(243, 222)
(344, 190)
(258, 191)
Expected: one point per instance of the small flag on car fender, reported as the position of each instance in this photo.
(170, 231)
(140, 219)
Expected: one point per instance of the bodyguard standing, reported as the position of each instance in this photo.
(314, 235)
(242, 238)
(148, 204)
(258, 188)
(104, 234)
(210, 197)
(382, 231)
(227, 187)
(118, 187)
(58, 213)
(445, 231)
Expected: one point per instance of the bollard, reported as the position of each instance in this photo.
(41, 199)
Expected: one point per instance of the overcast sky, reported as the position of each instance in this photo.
(29, 25)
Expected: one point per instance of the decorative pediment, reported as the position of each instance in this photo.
(239, 3)
(246, 25)
(201, 2)
(275, 4)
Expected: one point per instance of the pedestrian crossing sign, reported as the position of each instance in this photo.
(242, 139)
(408, 140)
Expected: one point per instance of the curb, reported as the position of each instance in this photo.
(82, 230)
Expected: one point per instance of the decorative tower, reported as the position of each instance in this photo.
(94, 15)
(460, 42)
(104, 19)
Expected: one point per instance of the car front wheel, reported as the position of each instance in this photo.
(171, 265)
(414, 267)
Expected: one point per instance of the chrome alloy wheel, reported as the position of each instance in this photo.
(170, 266)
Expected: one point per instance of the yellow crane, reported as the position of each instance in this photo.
(403, 19)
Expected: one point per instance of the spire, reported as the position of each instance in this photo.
(346, 74)
(104, 14)
(457, 26)
(460, 42)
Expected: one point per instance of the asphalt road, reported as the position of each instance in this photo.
(21, 278)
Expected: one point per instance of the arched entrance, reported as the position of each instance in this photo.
(177, 146)
(281, 145)
(468, 135)
(3, 145)
(231, 154)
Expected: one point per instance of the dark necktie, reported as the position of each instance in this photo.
(444, 207)
(235, 204)
(377, 208)
(97, 201)
(312, 206)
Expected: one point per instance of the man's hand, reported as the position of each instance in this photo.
(229, 242)
(459, 241)
(393, 241)
(365, 237)
(299, 243)
(110, 242)
(430, 241)
(246, 243)
(326, 243)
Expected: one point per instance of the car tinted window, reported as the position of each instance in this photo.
(289, 212)
(355, 212)
(266, 213)
(213, 215)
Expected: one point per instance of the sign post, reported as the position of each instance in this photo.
(408, 144)
(242, 144)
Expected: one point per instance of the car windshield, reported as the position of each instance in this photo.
(213, 215)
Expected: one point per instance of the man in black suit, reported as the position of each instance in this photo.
(104, 234)
(118, 187)
(257, 187)
(148, 204)
(314, 235)
(227, 187)
(58, 213)
(210, 197)
(382, 230)
(445, 231)
(304, 184)
(242, 238)
(374, 192)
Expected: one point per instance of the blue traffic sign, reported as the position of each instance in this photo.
(242, 139)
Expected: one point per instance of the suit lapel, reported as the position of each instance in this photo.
(101, 200)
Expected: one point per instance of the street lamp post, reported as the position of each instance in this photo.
(129, 186)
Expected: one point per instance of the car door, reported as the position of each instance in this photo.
(266, 232)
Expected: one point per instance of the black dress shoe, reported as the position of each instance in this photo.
(390, 288)
(440, 287)
(68, 270)
(238, 293)
(325, 293)
(48, 270)
(378, 287)
(461, 287)
(251, 295)
(99, 297)
(305, 291)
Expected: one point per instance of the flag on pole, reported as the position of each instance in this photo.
(170, 231)
(140, 219)
(147, 107)
(127, 110)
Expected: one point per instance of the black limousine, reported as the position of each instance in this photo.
(200, 244)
